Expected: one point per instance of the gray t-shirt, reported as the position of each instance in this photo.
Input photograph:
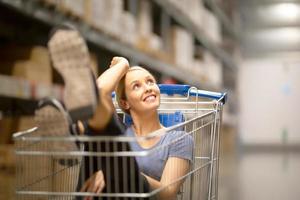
(173, 144)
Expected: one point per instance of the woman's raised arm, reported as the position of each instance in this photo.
(109, 79)
(107, 83)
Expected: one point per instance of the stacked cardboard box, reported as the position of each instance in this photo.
(198, 69)
(147, 39)
(201, 17)
(145, 19)
(213, 70)
(183, 47)
(36, 68)
(28, 66)
(105, 16)
(13, 87)
(212, 26)
(128, 25)
(193, 9)
(28, 63)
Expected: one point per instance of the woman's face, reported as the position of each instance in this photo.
(141, 91)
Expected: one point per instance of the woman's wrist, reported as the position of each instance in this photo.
(80, 127)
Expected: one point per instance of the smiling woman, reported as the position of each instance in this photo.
(139, 96)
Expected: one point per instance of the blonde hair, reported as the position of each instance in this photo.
(120, 90)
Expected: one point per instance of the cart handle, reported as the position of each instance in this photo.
(185, 90)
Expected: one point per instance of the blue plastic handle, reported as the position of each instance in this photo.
(171, 89)
(184, 90)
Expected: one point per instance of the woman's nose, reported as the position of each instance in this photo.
(147, 88)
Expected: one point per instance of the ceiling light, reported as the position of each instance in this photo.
(289, 11)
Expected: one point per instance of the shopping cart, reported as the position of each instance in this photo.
(54, 167)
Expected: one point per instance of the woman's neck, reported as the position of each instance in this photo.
(145, 123)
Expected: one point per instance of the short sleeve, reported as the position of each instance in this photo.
(181, 145)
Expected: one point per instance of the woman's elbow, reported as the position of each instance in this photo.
(169, 193)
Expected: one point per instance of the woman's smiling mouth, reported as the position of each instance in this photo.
(150, 98)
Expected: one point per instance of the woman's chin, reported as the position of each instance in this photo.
(151, 107)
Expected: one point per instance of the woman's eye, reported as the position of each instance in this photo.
(150, 82)
(135, 86)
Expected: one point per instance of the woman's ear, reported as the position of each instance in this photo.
(124, 104)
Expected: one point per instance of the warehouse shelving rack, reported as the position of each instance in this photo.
(35, 9)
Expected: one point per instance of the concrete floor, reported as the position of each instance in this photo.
(260, 176)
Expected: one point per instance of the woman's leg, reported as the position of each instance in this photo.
(70, 57)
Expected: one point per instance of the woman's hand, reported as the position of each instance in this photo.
(94, 184)
(119, 61)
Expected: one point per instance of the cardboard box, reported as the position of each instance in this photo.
(32, 71)
(183, 47)
(196, 13)
(37, 68)
(213, 70)
(198, 68)
(31, 63)
(155, 42)
(212, 26)
(144, 20)
(129, 28)
(106, 16)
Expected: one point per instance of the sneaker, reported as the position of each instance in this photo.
(70, 57)
(53, 121)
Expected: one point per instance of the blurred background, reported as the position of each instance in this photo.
(247, 48)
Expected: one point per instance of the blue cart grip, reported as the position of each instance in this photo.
(171, 89)
(184, 90)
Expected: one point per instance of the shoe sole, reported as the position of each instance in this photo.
(70, 57)
(52, 121)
